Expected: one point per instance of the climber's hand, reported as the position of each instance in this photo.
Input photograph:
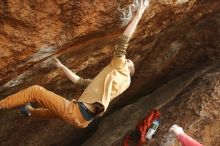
(143, 4)
(57, 63)
(176, 129)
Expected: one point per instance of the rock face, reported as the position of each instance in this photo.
(191, 100)
(173, 38)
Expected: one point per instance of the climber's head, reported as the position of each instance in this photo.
(131, 67)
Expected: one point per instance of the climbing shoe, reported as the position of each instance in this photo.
(24, 110)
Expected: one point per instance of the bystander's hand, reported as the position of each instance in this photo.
(177, 130)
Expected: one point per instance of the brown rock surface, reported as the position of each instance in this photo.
(191, 100)
(171, 39)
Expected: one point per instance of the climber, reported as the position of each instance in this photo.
(184, 139)
(107, 85)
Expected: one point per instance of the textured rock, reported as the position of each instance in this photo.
(172, 38)
(184, 110)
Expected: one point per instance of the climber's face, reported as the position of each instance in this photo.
(131, 67)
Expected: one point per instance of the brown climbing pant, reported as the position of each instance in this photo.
(54, 106)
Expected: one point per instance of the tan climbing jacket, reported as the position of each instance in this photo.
(111, 81)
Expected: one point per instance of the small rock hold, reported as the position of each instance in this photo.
(180, 2)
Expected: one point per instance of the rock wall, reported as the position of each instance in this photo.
(191, 101)
(173, 37)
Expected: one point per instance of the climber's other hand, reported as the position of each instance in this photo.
(57, 63)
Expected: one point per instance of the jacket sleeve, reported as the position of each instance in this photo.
(120, 52)
(83, 82)
(186, 140)
(121, 47)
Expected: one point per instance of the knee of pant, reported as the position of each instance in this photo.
(37, 87)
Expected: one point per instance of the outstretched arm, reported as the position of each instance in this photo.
(72, 76)
(133, 24)
(129, 31)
